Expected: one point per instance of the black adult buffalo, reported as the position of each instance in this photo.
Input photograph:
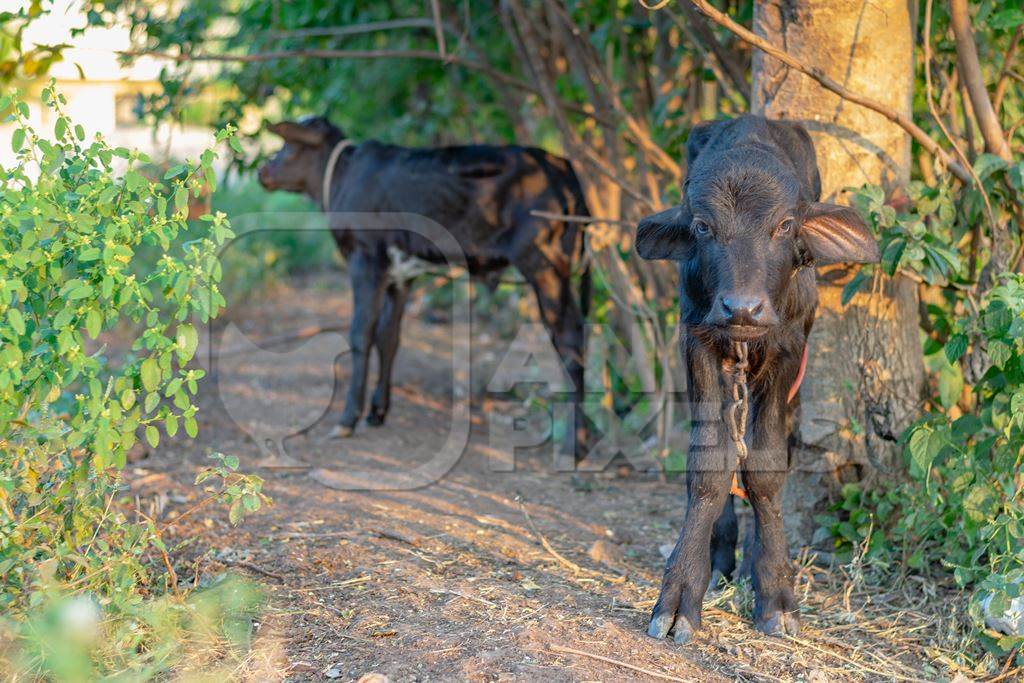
(746, 237)
(487, 197)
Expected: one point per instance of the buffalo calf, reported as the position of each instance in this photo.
(746, 236)
(488, 198)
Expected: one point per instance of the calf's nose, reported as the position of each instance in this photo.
(745, 310)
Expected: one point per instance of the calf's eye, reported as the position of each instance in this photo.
(785, 227)
(701, 227)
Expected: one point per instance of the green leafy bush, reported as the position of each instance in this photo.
(960, 510)
(74, 216)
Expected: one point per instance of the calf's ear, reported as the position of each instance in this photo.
(837, 234)
(665, 235)
(699, 137)
(297, 132)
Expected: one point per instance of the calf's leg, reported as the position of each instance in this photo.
(688, 570)
(723, 543)
(764, 473)
(775, 607)
(386, 340)
(564, 321)
(368, 273)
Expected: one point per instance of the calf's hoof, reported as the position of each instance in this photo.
(661, 624)
(341, 432)
(779, 624)
(375, 419)
(684, 632)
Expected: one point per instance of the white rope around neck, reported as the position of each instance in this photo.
(329, 171)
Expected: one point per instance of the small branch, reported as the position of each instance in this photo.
(172, 576)
(396, 536)
(637, 129)
(569, 564)
(976, 237)
(435, 9)
(974, 81)
(316, 53)
(445, 591)
(254, 568)
(1004, 78)
(579, 219)
(351, 30)
(485, 69)
(733, 69)
(616, 662)
(592, 159)
(828, 83)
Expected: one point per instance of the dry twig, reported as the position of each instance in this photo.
(576, 569)
(352, 29)
(976, 237)
(579, 219)
(974, 82)
(616, 662)
(255, 57)
(253, 567)
(1004, 77)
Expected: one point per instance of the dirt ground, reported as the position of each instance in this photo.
(485, 574)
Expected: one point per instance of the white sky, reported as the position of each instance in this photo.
(94, 51)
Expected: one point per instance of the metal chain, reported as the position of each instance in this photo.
(735, 413)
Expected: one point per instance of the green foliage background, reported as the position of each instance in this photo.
(79, 567)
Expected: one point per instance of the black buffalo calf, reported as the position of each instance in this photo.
(746, 237)
(484, 196)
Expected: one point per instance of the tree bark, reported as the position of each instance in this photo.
(865, 373)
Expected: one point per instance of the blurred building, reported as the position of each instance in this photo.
(102, 93)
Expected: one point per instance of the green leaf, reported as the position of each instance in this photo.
(987, 164)
(978, 502)
(16, 320)
(187, 341)
(235, 512)
(893, 255)
(150, 372)
(93, 322)
(17, 139)
(999, 352)
(175, 171)
(152, 435)
(956, 346)
(1007, 18)
(925, 444)
(180, 198)
(853, 286)
(950, 384)
(82, 290)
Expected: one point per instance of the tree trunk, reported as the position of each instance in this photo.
(865, 373)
